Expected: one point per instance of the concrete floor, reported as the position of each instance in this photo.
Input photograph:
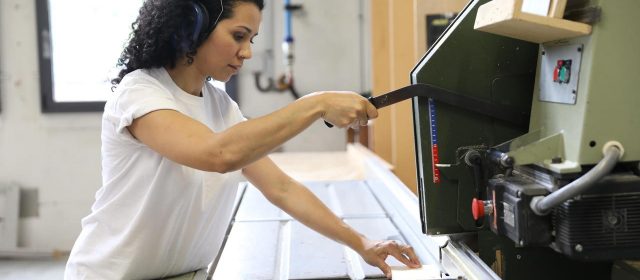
(25, 269)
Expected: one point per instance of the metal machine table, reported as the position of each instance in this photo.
(266, 243)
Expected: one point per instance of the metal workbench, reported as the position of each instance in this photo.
(266, 243)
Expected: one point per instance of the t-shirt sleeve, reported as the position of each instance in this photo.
(138, 100)
(238, 117)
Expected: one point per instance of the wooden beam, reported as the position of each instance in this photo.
(381, 72)
(403, 59)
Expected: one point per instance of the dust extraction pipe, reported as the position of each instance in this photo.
(542, 205)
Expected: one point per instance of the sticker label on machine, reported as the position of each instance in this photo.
(559, 73)
(509, 215)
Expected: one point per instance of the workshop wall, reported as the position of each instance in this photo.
(58, 155)
(331, 53)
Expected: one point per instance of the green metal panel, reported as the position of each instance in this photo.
(503, 71)
(608, 101)
(486, 66)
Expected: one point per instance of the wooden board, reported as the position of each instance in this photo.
(503, 17)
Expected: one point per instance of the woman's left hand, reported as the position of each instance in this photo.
(375, 253)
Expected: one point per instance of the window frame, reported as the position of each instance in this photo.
(45, 60)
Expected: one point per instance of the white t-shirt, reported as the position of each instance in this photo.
(153, 217)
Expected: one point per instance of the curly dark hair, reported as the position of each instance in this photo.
(163, 33)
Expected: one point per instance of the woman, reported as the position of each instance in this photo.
(173, 148)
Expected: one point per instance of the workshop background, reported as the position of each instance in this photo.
(56, 156)
(53, 158)
(382, 179)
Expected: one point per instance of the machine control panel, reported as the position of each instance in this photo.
(562, 72)
(559, 73)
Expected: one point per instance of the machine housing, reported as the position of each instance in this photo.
(579, 95)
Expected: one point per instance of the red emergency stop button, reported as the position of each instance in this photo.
(477, 208)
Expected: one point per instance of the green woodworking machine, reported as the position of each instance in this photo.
(550, 188)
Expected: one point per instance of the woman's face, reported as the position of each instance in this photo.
(225, 50)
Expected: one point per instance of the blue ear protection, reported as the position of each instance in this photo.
(201, 23)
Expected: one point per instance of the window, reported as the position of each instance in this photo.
(79, 45)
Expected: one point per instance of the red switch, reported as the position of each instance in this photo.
(556, 70)
(480, 207)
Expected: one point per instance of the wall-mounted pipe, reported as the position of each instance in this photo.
(285, 81)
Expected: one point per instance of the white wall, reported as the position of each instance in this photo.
(329, 52)
(59, 154)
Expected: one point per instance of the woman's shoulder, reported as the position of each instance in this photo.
(142, 81)
(141, 77)
(142, 85)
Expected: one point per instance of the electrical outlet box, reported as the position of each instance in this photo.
(559, 72)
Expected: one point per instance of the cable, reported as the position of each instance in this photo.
(542, 205)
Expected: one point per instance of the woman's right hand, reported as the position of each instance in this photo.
(345, 108)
